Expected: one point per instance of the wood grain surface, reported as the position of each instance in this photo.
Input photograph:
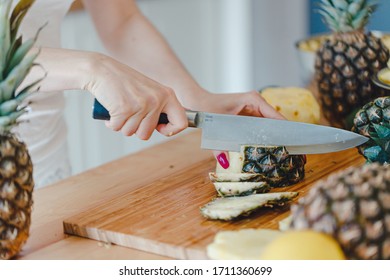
(162, 217)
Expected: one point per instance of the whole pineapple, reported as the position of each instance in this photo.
(353, 206)
(373, 121)
(16, 180)
(347, 60)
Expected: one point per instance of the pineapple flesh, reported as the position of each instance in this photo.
(294, 103)
(347, 60)
(353, 206)
(373, 121)
(229, 208)
(16, 177)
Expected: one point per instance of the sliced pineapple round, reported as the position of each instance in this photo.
(240, 188)
(235, 177)
(229, 208)
(244, 244)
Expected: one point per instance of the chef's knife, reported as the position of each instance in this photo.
(230, 132)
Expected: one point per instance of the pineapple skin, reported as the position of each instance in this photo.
(275, 165)
(373, 121)
(343, 69)
(353, 206)
(16, 187)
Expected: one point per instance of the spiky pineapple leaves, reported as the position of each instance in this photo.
(380, 149)
(17, 16)
(346, 15)
(16, 60)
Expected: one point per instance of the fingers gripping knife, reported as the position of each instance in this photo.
(230, 132)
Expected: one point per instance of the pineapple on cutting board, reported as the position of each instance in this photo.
(256, 170)
(346, 60)
(16, 178)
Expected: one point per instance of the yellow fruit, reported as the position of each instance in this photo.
(243, 244)
(294, 103)
(303, 245)
(385, 76)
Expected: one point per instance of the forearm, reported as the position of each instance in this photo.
(133, 40)
(64, 69)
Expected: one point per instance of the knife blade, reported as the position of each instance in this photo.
(229, 132)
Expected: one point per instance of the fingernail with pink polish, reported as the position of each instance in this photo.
(223, 161)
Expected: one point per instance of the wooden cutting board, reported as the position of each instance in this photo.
(164, 218)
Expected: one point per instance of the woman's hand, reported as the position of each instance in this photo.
(134, 101)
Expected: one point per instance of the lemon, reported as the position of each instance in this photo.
(303, 245)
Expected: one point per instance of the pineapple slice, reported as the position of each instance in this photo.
(285, 223)
(235, 177)
(384, 76)
(295, 104)
(228, 208)
(244, 244)
(240, 188)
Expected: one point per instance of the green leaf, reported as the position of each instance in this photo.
(18, 14)
(16, 76)
(375, 154)
(383, 131)
(5, 6)
(341, 4)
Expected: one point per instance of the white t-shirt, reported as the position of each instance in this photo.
(43, 128)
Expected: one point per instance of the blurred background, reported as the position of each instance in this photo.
(227, 45)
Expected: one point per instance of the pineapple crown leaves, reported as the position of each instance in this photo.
(379, 150)
(346, 15)
(15, 62)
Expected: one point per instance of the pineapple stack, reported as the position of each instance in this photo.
(16, 180)
(347, 60)
(255, 170)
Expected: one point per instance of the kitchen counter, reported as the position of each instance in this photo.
(135, 180)
(68, 197)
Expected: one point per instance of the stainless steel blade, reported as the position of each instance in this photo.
(229, 132)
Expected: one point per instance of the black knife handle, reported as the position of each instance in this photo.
(101, 113)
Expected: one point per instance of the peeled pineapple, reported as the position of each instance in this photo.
(295, 104)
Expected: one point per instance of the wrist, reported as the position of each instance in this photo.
(90, 69)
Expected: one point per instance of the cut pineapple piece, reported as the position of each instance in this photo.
(277, 167)
(285, 223)
(235, 177)
(240, 188)
(244, 244)
(228, 208)
(384, 76)
(295, 104)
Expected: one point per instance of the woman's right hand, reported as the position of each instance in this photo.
(133, 100)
